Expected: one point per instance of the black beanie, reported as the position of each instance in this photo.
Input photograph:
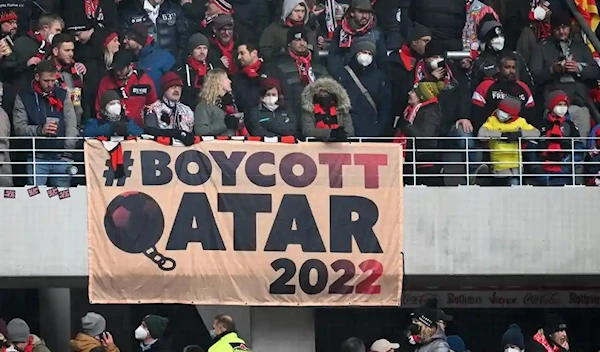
(553, 323)
(418, 31)
(560, 18)
(156, 325)
(513, 336)
(108, 96)
(434, 48)
(296, 32)
(139, 33)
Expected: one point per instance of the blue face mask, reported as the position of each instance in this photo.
(213, 334)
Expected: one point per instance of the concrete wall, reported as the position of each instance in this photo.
(448, 231)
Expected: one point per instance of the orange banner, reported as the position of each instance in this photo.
(245, 223)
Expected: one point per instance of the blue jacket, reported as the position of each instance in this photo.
(103, 128)
(155, 62)
(339, 57)
(367, 121)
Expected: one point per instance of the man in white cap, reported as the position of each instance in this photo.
(383, 345)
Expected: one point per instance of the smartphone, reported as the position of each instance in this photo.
(442, 64)
(56, 120)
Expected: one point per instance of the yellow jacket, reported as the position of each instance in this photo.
(228, 343)
(505, 155)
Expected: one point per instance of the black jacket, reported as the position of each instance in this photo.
(401, 73)
(426, 124)
(445, 18)
(266, 123)
(488, 63)
(171, 29)
(190, 93)
(247, 89)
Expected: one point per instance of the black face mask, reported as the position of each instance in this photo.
(325, 101)
(414, 329)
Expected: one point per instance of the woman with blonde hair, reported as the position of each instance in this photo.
(217, 114)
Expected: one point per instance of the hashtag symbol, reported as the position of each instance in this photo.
(109, 173)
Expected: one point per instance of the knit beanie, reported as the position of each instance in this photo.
(560, 18)
(456, 343)
(18, 330)
(435, 48)
(156, 325)
(363, 43)
(139, 33)
(93, 324)
(363, 5)
(222, 21)
(170, 79)
(489, 30)
(268, 84)
(107, 97)
(513, 336)
(224, 5)
(556, 97)
(196, 40)
(296, 32)
(419, 31)
(426, 90)
(552, 324)
(510, 105)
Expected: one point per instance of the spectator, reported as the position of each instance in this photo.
(224, 334)
(383, 345)
(401, 66)
(368, 90)
(246, 84)
(491, 91)
(44, 110)
(164, 22)
(32, 48)
(487, 64)
(93, 333)
(422, 118)
(5, 165)
(476, 10)
(22, 339)
(99, 14)
(217, 114)
(445, 18)
(539, 28)
(551, 337)
(112, 121)
(169, 116)
(326, 111)
(150, 334)
(201, 59)
(505, 153)
(456, 343)
(560, 62)
(297, 69)
(213, 9)
(431, 337)
(353, 344)
(70, 74)
(273, 41)
(154, 60)
(270, 117)
(135, 87)
(512, 340)
(105, 45)
(556, 152)
(8, 22)
(359, 21)
(223, 42)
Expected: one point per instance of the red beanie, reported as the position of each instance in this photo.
(270, 83)
(510, 105)
(170, 79)
(556, 97)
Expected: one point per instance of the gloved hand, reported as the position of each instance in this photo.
(186, 138)
(120, 128)
(338, 135)
(232, 122)
(512, 136)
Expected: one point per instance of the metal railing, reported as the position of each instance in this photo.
(445, 164)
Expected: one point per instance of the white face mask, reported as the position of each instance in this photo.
(539, 13)
(364, 59)
(434, 63)
(511, 349)
(497, 43)
(560, 110)
(502, 116)
(270, 100)
(141, 333)
(114, 109)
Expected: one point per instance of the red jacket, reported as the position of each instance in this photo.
(138, 92)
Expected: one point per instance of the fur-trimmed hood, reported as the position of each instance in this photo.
(330, 85)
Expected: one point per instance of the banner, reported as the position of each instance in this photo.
(245, 223)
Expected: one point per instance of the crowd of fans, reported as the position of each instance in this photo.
(492, 75)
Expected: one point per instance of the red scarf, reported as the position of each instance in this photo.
(542, 29)
(304, 67)
(91, 6)
(407, 59)
(54, 102)
(541, 339)
(230, 110)
(347, 31)
(252, 69)
(422, 74)
(226, 50)
(325, 119)
(553, 152)
(290, 23)
(69, 69)
(43, 48)
(410, 113)
(201, 68)
(29, 347)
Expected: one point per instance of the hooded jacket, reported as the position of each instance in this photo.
(273, 40)
(437, 343)
(307, 118)
(85, 343)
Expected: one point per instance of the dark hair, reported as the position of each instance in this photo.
(45, 66)
(226, 321)
(508, 57)
(61, 38)
(353, 344)
(250, 46)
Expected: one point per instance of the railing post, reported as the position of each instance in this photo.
(573, 161)
(521, 168)
(468, 168)
(414, 161)
(34, 160)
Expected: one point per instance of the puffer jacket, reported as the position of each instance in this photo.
(85, 343)
(437, 343)
(170, 30)
(307, 118)
(266, 123)
(445, 18)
